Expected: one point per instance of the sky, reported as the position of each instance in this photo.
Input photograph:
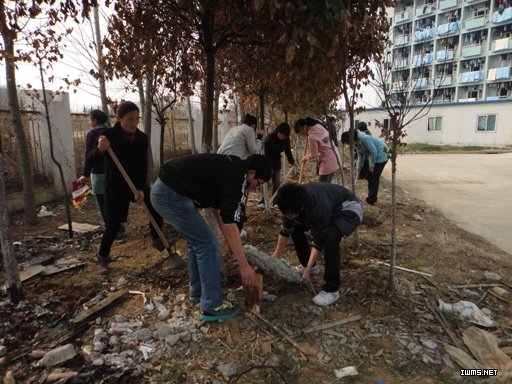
(79, 56)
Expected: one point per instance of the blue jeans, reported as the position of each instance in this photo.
(202, 244)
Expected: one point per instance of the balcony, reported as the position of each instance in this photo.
(472, 50)
(425, 34)
(444, 55)
(420, 83)
(505, 16)
(399, 85)
(443, 81)
(447, 4)
(501, 73)
(402, 16)
(471, 77)
(419, 60)
(475, 22)
(400, 63)
(425, 9)
(401, 40)
(446, 29)
(501, 44)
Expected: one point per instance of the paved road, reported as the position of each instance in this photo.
(472, 190)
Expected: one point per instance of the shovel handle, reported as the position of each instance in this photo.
(152, 220)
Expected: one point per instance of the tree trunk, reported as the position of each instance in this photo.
(209, 48)
(13, 282)
(261, 97)
(392, 262)
(142, 98)
(216, 123)
(191, 135)
(17, 124)
(148, 98)
(101, 71)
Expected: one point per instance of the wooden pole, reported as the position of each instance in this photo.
(173, 258)
(303, 162)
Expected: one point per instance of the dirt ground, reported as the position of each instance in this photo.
(268, 348)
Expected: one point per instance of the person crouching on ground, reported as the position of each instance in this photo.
(209, 181)
(130, 145)
(330, 212)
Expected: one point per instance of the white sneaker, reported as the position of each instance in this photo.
(314, 271)
(324, 298)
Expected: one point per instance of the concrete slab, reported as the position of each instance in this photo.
(472, 190)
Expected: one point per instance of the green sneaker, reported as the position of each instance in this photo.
(194, 298)
(224, 312)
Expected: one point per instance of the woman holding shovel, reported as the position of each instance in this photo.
(130, 146)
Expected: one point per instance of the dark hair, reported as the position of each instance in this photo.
(291, 198)
(362, 126)
(125, 107)
(98, 115)
(283, 128)
(250, 119)
(301, 123)
(345, 137)
(262, 165)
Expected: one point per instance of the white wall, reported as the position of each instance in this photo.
(62, 138)
(459, 123)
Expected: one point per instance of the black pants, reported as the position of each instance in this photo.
(326, 178)
(331, 254)
(100, 198)
(116, 212)
(373, 182)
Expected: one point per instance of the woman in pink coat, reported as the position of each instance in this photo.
(321, 147)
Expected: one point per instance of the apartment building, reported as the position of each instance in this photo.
(458, 53)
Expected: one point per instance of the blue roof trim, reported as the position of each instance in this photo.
(449, 104)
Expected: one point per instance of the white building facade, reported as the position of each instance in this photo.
(458, 53)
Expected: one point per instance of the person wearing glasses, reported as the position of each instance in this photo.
(212, 181)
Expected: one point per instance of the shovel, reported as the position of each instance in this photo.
(174, 260)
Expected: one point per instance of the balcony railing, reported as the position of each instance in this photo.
(504, 16)
(447, 4)
(420, 83)
(424, 34)
(443, 81)
(500, 73)
(419, 60)
(445, 29)
(501, 44)
(400, 63)
(402, 39)
(475, 22)
(471, 77)
(425, 9)
(472, 50)
(402, 16)
(444, 55)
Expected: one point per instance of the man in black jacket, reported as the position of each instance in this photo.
(329, 212)
(209, 181)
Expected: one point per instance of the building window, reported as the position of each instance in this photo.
(435, 124)
(486, 123)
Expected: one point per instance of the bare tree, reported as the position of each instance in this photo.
(406, 97)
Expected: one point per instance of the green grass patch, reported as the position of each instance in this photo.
(419, 147)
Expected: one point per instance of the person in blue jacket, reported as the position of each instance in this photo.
(376, 151)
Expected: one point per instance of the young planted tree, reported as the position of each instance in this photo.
(404, 99)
